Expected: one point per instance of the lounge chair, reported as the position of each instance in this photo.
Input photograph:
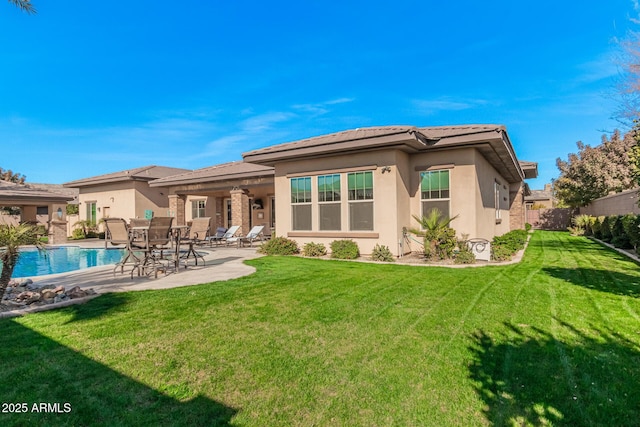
(228, 234)
(220, 231)
(253, 235)
(117, 233)
(198, 234)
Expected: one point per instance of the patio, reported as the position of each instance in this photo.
(221, 263)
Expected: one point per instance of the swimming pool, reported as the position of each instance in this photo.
(62, 259)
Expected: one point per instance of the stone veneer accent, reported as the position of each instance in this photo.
(177, 206)
(516, 207)
(57, 232)
(240, 210)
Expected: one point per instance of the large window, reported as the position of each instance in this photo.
(435, 191)
(329, 202)
(197, 208)
(360, 193)
(301, 203)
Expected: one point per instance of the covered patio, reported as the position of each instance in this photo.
(29, 199)
(234, 193)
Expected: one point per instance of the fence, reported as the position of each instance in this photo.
(550, 219)
(615, 204)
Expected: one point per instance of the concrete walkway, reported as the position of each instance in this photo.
(221, 263)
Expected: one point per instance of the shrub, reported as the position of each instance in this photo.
(527, 226)
(503, 247)
(631, 226)
(596, 227)
(78, 234)
(619, 238)
(344, 249)
(605, 229)
(464, 255)
(314, 249)
(439, 238)
(279, 246)
(581, 225)
(382, 253)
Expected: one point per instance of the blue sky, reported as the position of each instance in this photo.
(88, 88)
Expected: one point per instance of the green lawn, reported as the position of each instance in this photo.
(552, 340)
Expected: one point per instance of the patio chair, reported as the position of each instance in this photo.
(198, 234)
(219, 234)
(229, 234)
(253, 235)
(117, 233)
(153, 243)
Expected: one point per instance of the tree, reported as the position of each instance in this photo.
(594, 172)
(11, 238)
(24, 5)
(8, 175)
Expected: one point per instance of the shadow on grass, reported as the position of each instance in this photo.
(610, 281)
(37, 369)
(109, 303)
(527, 377)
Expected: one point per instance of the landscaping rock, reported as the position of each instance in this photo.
(76, 292)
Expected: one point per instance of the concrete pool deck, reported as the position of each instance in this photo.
(221, 263)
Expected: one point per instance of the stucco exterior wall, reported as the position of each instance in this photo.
(118, 199)
(397, 196)
(126, 200)
(621, 203)
(386, 209)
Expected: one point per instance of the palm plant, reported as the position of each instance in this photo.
(11, 238)
(24, 5)
(439, 238)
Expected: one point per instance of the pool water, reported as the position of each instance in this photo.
(33, 262)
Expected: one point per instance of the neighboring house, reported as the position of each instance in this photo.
(30, 199)
(540, 199)
(234, 193)
(366, 184)
(125, 194)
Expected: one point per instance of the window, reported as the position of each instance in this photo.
(360, 193)
(229, 217)
(434, 191)
(496, 199)
(329, 206)
(301, 203)
(273, 212)
(197, 208)
(91, 212)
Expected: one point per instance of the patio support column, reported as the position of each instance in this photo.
(177, 205)
(240, 209)
(57, 224)
(516, 206)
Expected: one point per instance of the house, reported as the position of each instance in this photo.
(29, 200)
(367, 184)
(540, 199)
(362, 184)
(124, 194)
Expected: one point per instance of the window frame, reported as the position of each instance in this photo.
(306, 200)
(335, 196)
(440, 190)
(360, 194)
(198, 211)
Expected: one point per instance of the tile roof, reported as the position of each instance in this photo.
(490, 139)
(145, 173)
(221, 172)
(29, 195)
